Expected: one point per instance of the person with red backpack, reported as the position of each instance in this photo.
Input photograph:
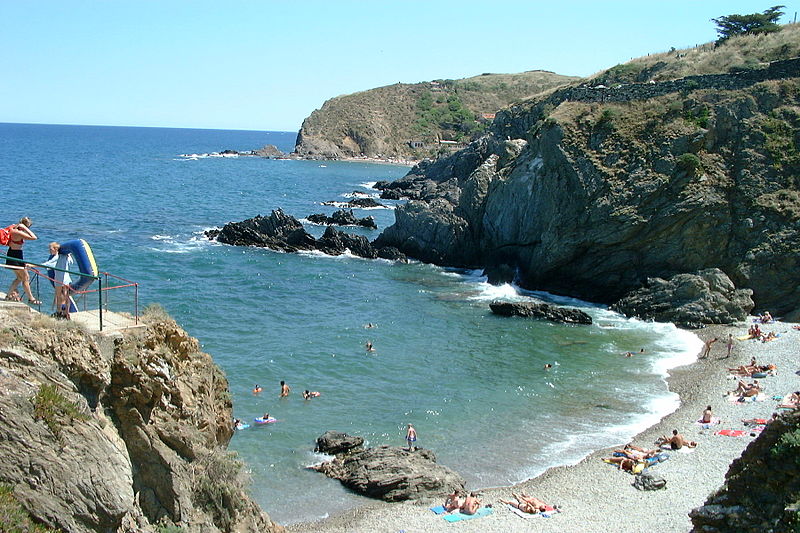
(18, 234)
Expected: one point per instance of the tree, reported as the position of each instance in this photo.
(766, 22)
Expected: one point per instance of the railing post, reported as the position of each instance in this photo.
(100, 296)
(136, 302)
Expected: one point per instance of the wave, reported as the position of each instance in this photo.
(368, 184)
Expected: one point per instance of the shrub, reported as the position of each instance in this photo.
(606, 119)
(218, 487)
(54, 409)
(155, 313)
(689, 163)
(698, 116)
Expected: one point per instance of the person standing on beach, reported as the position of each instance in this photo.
(707, 350)
(285, 390)
(18, 234)
(411, 437)
(729, 345)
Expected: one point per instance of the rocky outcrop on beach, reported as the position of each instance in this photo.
(124, 433)
(285, 233)
(543, 311)
(343, 218)
(762, 488)
(689, 300)
(591, 193)
(392, 474)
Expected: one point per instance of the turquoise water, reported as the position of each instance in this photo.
(473, 384)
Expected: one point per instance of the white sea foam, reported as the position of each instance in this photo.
(368, 184)
(489, 292)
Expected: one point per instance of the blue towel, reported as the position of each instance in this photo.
(439, 509)
(457, 516)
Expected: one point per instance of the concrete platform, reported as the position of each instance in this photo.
(90, 319)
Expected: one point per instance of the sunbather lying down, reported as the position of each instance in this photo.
(529, 504)
(791, 400)
(627, 464)
(749, 370)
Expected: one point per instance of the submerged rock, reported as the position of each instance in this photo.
(393, 474)
(689, 300)
(548, 312)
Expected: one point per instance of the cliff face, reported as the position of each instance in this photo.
(381, 122)
(118, 434)
(590, 191)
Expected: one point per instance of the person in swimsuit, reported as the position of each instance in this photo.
(706, 419)
(677, 441)
(453, 501)
(411, 437)
(18, 234)
(471, 504)
(307, 394)
(285, 390)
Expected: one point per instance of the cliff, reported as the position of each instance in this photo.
(406, 120)
(591, 190)
(118, 433)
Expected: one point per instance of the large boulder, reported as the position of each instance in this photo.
(689, 300)
(393, 474)
(335, 442)
(552, 313)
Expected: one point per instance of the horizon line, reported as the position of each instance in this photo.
(150, 127)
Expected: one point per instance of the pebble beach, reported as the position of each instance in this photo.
(594, 496)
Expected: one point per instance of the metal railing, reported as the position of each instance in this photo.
(101, 290)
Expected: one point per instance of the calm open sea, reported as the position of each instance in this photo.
(472, 384)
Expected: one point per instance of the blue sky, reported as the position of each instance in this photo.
(266, 65)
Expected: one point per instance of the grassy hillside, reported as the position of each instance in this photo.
(741, 52)
(384, 121)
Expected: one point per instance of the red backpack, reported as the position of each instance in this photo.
(5, 235)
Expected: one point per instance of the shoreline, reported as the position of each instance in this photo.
(595, 496)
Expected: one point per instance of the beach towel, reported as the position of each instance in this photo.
(731, 432)
(458, 515)
(439, 509)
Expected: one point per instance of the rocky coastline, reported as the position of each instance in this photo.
(124, 432)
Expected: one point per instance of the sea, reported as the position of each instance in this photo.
(473, 384)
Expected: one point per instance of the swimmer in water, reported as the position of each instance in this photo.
(257, 389)
(369, 346)
(548, 366)
(307, 395)
(285, 390)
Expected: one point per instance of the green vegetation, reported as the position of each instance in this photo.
(787, 449)
(606, 119)
(154, 313)
(13, 517)
(781, 142)
(689, 163)
(218, 486)
(445, 112)
(754, 23)
(698, 116)
(56, 411)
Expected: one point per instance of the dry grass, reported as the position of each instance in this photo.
(745, 51)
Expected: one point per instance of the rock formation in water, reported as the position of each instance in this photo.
(552, 313)
(285, 233)
(590, 192)
(762, 488)
(343, 218)
(389, 473)
(125, 433)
